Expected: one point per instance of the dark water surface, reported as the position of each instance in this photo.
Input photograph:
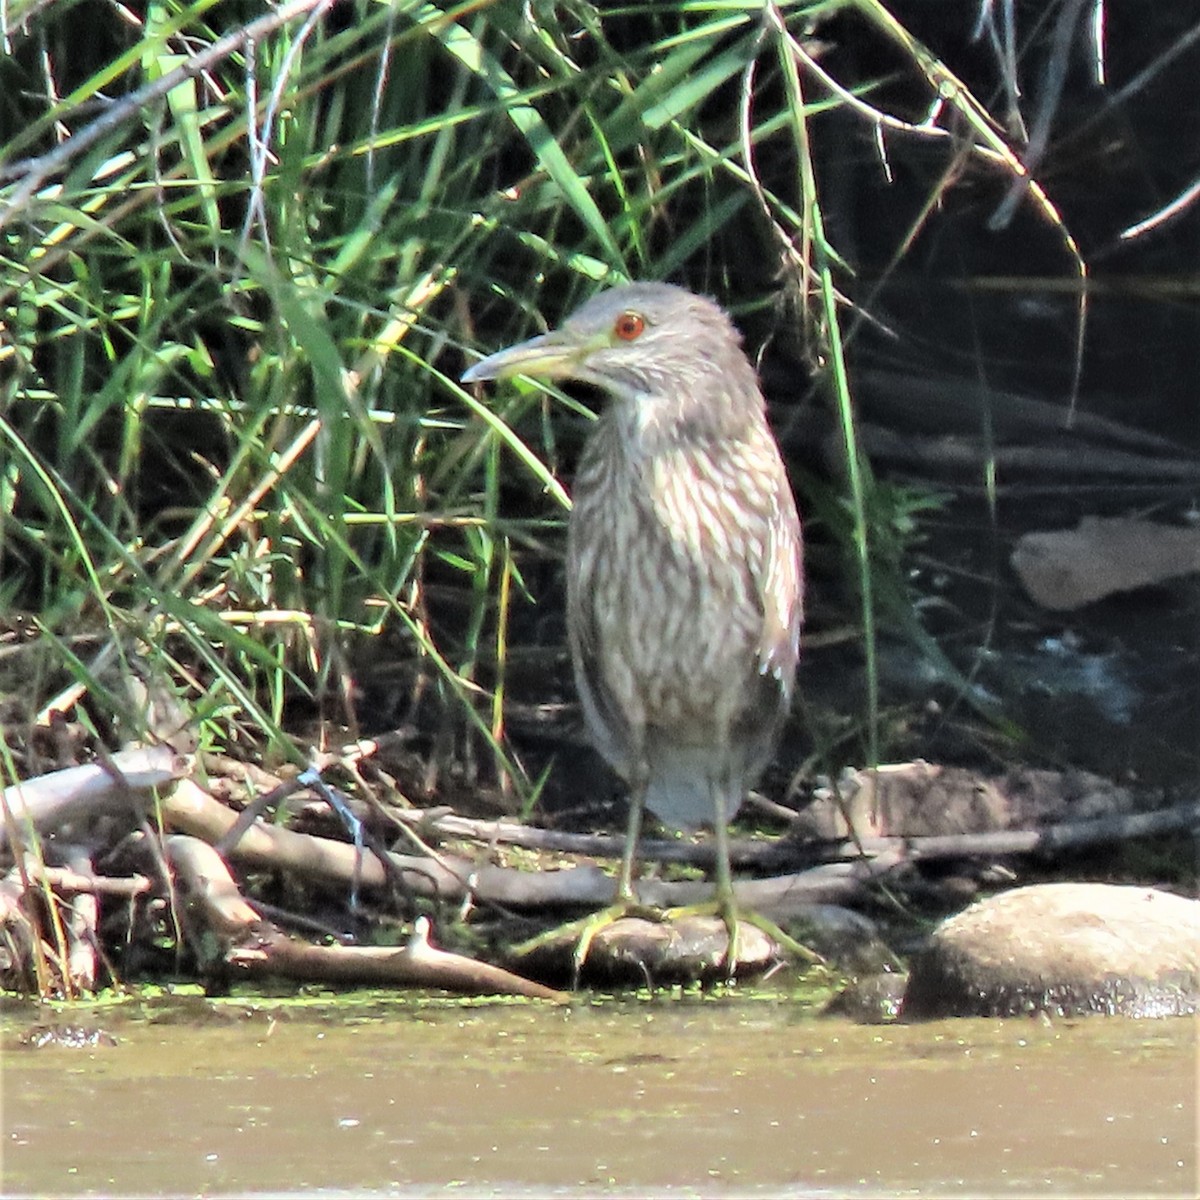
(687, 1097)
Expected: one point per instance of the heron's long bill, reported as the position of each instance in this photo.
(554, 355)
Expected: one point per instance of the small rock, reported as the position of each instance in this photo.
(1064, 949)
(840, 935)
(70, 1037)
(871, 999)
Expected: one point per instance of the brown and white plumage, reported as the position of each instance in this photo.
(684, 569)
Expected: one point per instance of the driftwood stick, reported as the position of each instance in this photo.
(255, 809)
(1114, 828)
(767, 853)
(68, 882)
(208, 887)
(189, 809)
(782, 897)
(250, 775)
(940, 453)
(82, 927)
(417, 964)
(744, 852)
(264, 950)
(32, 173)
(61, 796)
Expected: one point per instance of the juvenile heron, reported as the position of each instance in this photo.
(684, 570)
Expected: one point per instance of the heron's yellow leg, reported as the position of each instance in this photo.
(724, 903)
(625, 903)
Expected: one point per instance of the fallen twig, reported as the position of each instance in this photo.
(67, 882)
(191, 810)
(1115, 828)
(81, 926)
(34, 172)
(215, 901)
(746, 852)
(212, 896)
(418, 964)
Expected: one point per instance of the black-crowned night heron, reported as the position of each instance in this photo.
(684, 571)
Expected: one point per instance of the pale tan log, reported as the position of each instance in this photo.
(61, 796)
(417, 964)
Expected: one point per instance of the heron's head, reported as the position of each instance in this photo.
(651, 344)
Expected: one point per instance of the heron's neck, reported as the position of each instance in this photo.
(649, 424)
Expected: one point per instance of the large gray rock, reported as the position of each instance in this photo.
(1062, 949)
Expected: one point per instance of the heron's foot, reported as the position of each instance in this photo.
(585, 930)
(677, 945)
(726, 909)
(785, 941)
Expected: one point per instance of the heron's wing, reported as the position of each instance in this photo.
(781, 591)
(602, 714)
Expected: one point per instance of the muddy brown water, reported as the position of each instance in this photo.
(696, 1097)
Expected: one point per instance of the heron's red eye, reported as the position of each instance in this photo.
(629, 326)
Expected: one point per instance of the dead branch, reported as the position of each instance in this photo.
(1073, 834)
(781, 897)
(189, 809)
(264, 950)
(61, 796)
(82, 927)
(417, 964)
(192, 810)
(212, 895)
(939, 407)
(950, 453)
(34, 172)
(788, 851)
(745, 852)
(68, 882)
